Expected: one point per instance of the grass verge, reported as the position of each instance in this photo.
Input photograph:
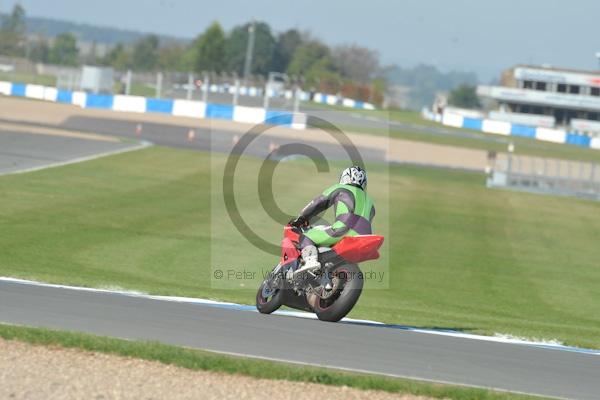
(34, 79)
(207, 361)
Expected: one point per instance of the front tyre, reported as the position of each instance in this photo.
(348, 285)
(268, 300)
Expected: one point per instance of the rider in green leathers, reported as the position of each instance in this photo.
(354, 213)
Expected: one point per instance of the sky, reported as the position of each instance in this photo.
(484, 36)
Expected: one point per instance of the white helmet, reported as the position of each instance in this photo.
(354, 176)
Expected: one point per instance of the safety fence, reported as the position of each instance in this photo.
(511, 129)
(546, 176)
(139, 104)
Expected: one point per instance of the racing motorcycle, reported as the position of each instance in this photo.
(330, 292)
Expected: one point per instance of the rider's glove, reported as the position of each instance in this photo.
(299, 222)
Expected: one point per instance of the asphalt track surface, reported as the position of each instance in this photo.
(220, 141)
(352, 346)
(349, 346)
(24, 151)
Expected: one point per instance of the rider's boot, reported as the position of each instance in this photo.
(310, 255)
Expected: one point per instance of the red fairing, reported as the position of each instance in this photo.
(289, 251)
(357, 249)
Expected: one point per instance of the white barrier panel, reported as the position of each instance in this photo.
(595, 143)
(546, 121)
(348, 103)
(250, 115)
(189, 108)
(332, 100)
(50, 94)
(79, 99)
(452, 120)
(129, 103)
(369, 106)
(584, 125)
(34, 92)
(299, 121)
(5, 88)
(551, 135)
(497, 127)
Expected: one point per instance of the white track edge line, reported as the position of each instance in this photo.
(139, 146)
(300, 314)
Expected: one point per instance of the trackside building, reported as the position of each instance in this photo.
(548, 97)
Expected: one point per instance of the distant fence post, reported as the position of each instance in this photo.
(190, 85)
(128, 82)
(159, 83)
(296, 99)
(236, 93)
(206, 87)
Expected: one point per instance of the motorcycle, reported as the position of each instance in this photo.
(330, 292)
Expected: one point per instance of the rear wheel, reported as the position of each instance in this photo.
(348, 282)
(268, 300)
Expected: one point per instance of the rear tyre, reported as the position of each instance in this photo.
(347, 293)
(268, 300)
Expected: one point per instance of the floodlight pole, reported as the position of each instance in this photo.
(249, 51)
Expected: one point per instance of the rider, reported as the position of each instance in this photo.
(354, 212)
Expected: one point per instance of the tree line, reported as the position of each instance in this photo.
(14, 42)
(350, 69)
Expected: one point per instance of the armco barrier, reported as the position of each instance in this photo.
(510, 129)
(182, 108)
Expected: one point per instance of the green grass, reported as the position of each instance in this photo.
(16, 77)
(523, 146)
(206, 361)
(137, 89)
(460, 256)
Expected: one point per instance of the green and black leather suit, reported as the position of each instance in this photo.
(354, 213)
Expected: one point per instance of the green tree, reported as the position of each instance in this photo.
(209, 50)
(64, 51)
(464, 96)
(287, 43)
(264, 49)
(12, 32)
(145, 53)
(307, 55)
(118, 58)
(356, 63)
(173, 57)
(312, 60)
(40, 51)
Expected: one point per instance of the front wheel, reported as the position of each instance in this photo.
(348, 282)
(268, 300)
